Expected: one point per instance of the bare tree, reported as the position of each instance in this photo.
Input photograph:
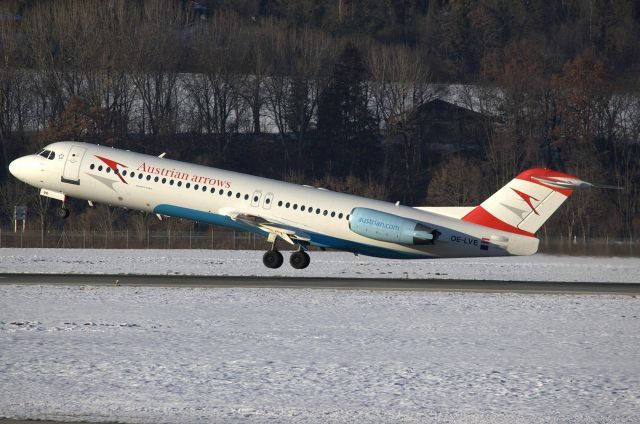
(11, 90)
(398, 86)
(518, 99)
(582, 94)
(257, 64)
(41, 28)
(156, 53)
(457, 182)
(215, 90)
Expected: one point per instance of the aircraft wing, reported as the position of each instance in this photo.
(291, 234)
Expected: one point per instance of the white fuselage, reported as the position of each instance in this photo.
(179, 189)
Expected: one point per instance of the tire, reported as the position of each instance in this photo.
(272, 259)
(62, 213)
(299, 259)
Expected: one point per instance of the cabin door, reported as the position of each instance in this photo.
(71, 172)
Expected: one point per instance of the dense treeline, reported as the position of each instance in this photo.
(327, 92)
(456, 35)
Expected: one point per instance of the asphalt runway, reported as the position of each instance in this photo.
(324, 283)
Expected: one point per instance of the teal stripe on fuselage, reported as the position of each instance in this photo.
(206, 217)
(317, 239)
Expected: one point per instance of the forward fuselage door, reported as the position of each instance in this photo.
(71, 172)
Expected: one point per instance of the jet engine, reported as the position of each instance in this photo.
(391, 228)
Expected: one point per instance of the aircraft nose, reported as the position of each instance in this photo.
(20, 167)
(14, 166)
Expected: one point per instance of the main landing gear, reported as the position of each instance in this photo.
(299, 259)
(273, 259)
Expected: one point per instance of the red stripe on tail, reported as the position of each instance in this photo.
(482, 217)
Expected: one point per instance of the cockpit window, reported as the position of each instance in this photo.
(47, 154)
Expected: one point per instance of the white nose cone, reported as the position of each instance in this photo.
(14, 166)
(23, 168)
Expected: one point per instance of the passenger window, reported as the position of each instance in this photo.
(204, 188)
(195, 187)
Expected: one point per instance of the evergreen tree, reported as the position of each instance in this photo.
(345, 123)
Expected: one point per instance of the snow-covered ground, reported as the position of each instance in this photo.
(194, 355)
(323, 264)
(197, 355)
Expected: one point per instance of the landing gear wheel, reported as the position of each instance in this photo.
(299, 259)
(272, 259)
(62, 212)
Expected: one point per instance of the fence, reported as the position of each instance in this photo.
(221, 238)
(158, 239)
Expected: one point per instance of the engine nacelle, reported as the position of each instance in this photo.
(391, 228)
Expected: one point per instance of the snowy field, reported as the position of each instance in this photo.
(227, 355)
(181, 355)
(323, 264)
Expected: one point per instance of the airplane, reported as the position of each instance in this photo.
(302, 216)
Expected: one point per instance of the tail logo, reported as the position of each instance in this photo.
(527, 198)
